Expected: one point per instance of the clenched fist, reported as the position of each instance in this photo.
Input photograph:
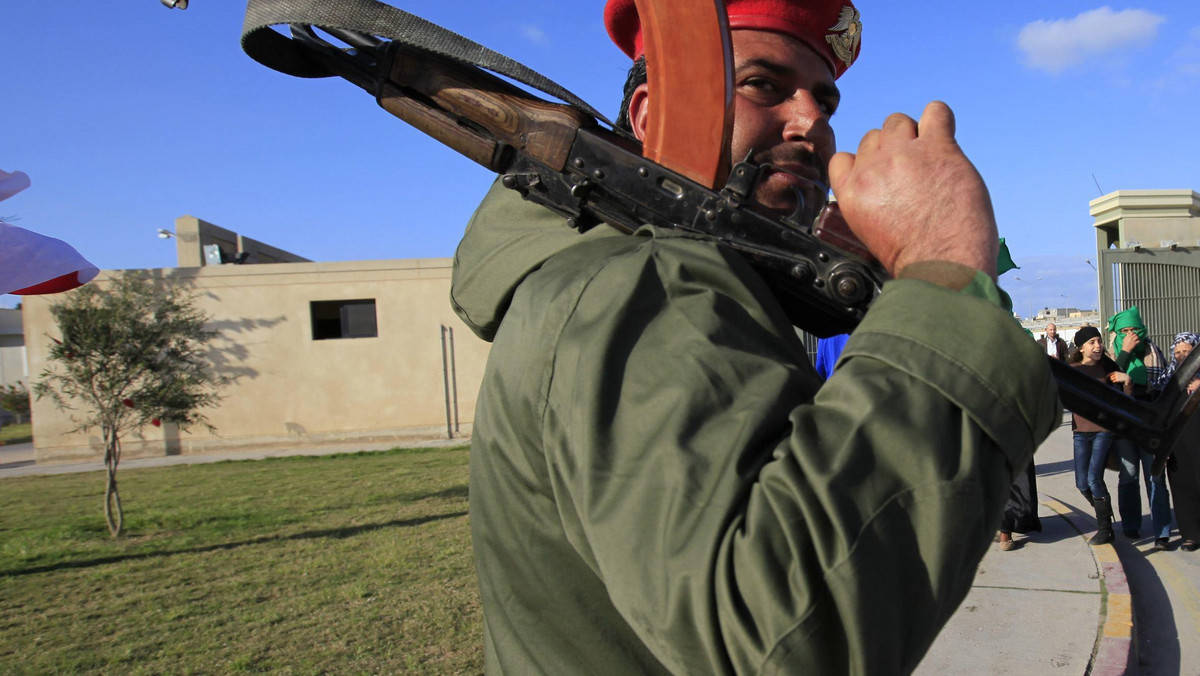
(911, 195)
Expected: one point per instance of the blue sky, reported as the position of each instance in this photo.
(127, 115)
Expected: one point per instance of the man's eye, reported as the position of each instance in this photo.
(763, 91)
(761, 84)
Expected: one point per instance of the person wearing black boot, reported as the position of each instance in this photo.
(1092, 442)
(1104, 521)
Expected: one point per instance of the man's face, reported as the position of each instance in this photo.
(1051, 331)
(784, 95)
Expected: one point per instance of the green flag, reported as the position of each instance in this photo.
(1004, 261)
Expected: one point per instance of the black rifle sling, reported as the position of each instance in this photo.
(279, 52)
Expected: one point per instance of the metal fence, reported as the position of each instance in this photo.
(810, 345)
(1164, 284)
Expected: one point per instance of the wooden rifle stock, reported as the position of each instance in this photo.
(476, 113)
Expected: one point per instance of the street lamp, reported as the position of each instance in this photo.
(1098, 281)
(1028, 294)
(165, 234)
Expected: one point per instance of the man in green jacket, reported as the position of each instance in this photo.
(660, 484)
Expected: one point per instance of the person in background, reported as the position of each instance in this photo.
(828, 351)
(1052, 344)
(1183, 468)
(1020, 512)
(1073, 351)
(1135, 354)
(1093, 442)
(1144, 363)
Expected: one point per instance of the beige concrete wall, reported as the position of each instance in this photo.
(1149, 217)
(289, 388)
(1158, 232)
(193, 234)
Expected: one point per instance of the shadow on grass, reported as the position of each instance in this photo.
(333, 533)
(454, 492)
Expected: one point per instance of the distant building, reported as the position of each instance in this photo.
(1049, 314)
(321, 353)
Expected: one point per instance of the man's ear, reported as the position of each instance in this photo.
(639, 111)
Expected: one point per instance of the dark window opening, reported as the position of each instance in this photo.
(343, 319)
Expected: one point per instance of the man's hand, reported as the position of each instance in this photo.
(1130, 342)
(911, 195)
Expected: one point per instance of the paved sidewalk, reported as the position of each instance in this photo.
(18, 459)
(1052, 605)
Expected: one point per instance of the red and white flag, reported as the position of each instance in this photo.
(33, 264)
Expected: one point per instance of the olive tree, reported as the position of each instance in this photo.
(131, 354)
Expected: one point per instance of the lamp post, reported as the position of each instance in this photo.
(1098, 281)
(1028, 294)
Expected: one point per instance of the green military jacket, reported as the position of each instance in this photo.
(660, 484)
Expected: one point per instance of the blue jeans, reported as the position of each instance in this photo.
(1091, 454)
(1135, 461)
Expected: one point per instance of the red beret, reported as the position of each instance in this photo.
(832, 28)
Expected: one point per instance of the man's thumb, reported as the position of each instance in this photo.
(840, 166)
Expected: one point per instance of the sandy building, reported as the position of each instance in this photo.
(319, 353)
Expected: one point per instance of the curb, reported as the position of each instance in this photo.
(1114, 654)
(33, 468)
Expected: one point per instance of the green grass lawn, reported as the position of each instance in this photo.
(16, 434)
(348, 564)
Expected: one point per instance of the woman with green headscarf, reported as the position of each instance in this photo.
(1134, 353)
(1144, 362)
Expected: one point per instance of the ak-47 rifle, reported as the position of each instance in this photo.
(559, 156)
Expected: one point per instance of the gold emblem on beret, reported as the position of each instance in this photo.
(845, 34)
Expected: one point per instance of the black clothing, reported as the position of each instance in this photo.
(1021, 510)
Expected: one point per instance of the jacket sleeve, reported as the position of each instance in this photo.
(742, 525)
